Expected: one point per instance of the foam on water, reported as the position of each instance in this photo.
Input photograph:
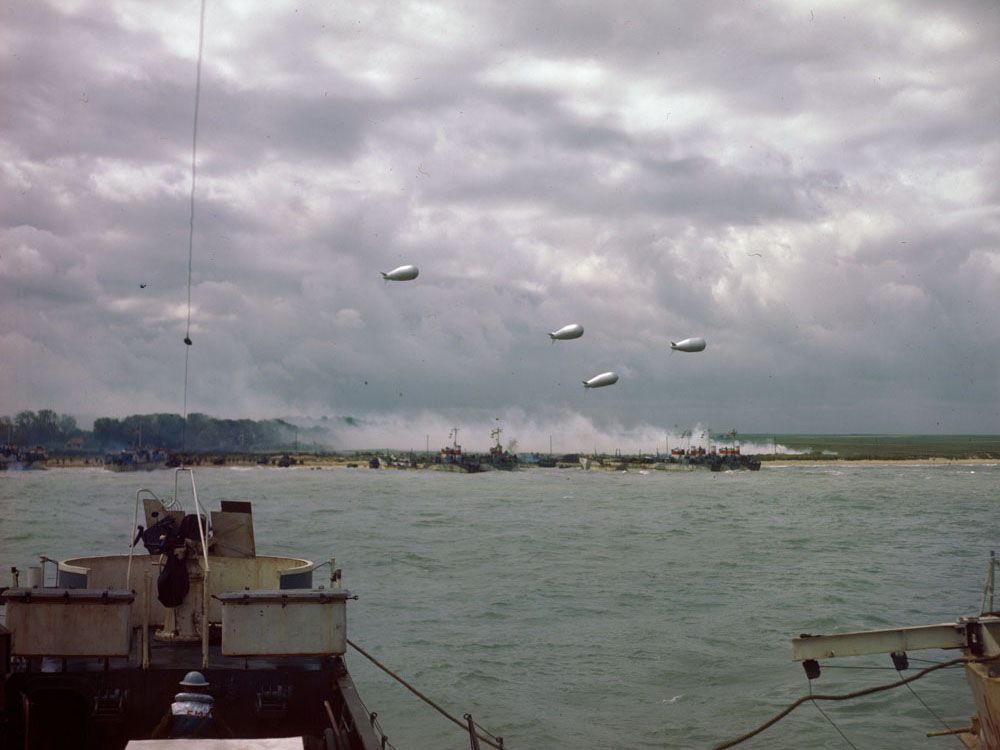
(569, 609)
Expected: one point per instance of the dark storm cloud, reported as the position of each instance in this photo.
(812, 190)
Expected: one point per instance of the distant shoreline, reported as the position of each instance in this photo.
(209, 461)
(930, 461)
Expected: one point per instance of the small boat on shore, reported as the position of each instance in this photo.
(452, 459)
(15, 458)
(724, 458)
(498, 458)
(138, 459)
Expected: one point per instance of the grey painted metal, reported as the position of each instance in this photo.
(284, 622)
(69, 622)
(945, 635)
(356, 708)
(232, 534)
(71, 577)
(285, 596)
(147, 589)
(228, 574)
(270, 743)
(296, 580)
(203, 621)
(987, 602)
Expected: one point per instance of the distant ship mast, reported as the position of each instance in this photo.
(495, 433)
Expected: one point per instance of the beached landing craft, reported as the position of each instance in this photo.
(403, 273)
(452, 459)
(140, 459)
(15, 458)
(602, 380)
(688, 345)
(572, 331)
(498, 458)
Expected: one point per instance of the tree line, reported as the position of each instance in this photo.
(200, 432)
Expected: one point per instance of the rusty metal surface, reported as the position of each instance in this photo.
(236, 685)
(300, 596)
(232, 535)
(944, 635)
(228, 574)
(286, 622)
(984, 682)
(69, 622)
(365, 733)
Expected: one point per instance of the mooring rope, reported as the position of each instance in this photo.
(826, 716)
(194, 179)
(842, 697)
(930, 710)
(490, 739)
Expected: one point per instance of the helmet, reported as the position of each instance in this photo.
(194, 679)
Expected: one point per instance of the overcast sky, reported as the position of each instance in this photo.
(814, 188)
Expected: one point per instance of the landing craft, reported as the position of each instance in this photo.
(688, 345)
(572, 331)
(599, 381)
(403, 273)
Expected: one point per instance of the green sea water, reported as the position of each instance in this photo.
(572, 609)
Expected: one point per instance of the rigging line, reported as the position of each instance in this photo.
(184, 424)
(930, 710)
(194, 179)
(479, 730)
(827, 717)
(376, 724)
(842, 697)
(922, 661)
(372, 717)
(194, 163)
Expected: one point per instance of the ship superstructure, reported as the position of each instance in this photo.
(92, 659)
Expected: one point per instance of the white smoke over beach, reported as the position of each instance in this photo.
(558, 432)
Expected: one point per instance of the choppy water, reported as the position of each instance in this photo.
(571, 609)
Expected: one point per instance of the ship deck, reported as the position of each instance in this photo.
(173, 656)
(106, 702)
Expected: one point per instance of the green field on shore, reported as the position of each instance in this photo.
(884, 447)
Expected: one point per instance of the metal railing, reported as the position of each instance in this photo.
(203, 538)
(986, 607)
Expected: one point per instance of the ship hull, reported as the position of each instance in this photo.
(457, 468)
(78, 704)
(96, 660)
(984, 683)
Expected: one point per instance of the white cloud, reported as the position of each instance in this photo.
(789, 183)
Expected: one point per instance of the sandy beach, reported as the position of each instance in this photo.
(361, 461)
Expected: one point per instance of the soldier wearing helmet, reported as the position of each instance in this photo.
(192, 714)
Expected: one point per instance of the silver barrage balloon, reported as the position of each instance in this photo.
(688, 345)
(599, 381)
(572, 331)
(403, 273)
